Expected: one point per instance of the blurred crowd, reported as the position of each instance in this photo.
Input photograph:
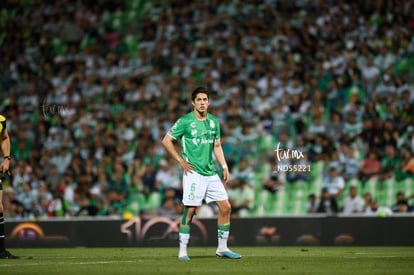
(90, 87)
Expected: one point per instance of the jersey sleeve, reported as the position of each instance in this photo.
(2, 123)
(217, 136)
(178, 129)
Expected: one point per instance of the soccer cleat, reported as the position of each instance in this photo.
(228, 254)
(184, 258)
(7, 255)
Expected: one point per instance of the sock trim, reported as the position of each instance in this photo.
(225, 227)
(184, 229)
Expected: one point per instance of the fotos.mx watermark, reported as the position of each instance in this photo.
(291, 160)
(52, 109)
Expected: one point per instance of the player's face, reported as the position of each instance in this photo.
(201, 103)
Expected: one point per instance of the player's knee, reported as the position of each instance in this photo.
(225, 208)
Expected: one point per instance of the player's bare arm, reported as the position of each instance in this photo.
(218, 152)
(5, 148)
(168, 143)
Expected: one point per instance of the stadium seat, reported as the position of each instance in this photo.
(390, 189)
(271, 201)
(299, 204)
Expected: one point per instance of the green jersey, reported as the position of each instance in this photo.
(197, 139)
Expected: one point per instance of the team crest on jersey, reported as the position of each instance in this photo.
(212, 125)
(192, 124)
(196, 141)
(193, 132)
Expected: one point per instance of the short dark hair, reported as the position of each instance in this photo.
(200, 90)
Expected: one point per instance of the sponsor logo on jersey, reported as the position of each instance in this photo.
(198, 141)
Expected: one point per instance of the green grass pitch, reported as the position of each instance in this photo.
(255, 260)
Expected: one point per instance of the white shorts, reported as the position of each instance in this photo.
(197, 188)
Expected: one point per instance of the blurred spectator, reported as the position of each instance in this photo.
(312, 204)
(367, 201)
(69, 31)
(43, 198)
(351, 164)
(151, 192)
(53, 141)
(369, 167)
(333, 182)
(248, 139)
(82, 76)
(241, 197)
(389, 162)
(167, 178)
(406, 168)
(352, 126)
(353, 203)
(327, 203)
(27, 197)
(401, 205)
(20, 176)
(62, 159)
(149, 179)
(53, 177)
(376, 209)
(316, 126)
(385, 90)
(406, 140)
(242, 173)
(118, 189)
(370, 75)
(207, 211)
(90, 205)
(170, 206)
(57, 207)
(271, 182)
(168, 209)
(335, 126)
(300, 171)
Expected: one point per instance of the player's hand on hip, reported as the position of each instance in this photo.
(187, 167)
(4, 166)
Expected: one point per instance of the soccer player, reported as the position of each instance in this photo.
(4, 168)
(199, 135)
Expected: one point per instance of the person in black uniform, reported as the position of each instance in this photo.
(4, 169)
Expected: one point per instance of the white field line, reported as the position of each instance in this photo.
(18, 263)
(372, 257)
